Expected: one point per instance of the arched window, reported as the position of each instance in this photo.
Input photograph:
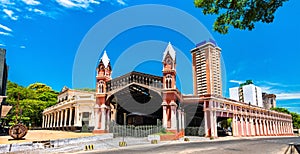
(101, 87)
(168, 81)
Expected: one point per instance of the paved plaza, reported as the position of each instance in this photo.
(40, 135)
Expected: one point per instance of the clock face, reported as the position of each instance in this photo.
(169, 61)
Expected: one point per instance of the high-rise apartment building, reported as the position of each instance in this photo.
(207, 68)
(248, 94)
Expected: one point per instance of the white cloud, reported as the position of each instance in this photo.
(121, 2)
(37, 11)
(5, 28)
(6, 2)
(22, 47)
(2, 45)
(31, 2)
(28, 9)
(287, 96)
(236, 81)
(75, 3)
(4, 33)
(10, 14)
(95, 2)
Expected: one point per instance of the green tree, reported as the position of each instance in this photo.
(241, 14)
(32, 101)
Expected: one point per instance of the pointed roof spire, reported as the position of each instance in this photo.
(171, 51)
(105, 59)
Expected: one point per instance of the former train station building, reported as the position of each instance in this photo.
(146, 99)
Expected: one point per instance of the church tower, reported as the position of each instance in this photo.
(170, 93)
(102, 110)
(169, 68)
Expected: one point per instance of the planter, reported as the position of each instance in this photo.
(168, 137)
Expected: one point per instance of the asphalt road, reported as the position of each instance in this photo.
(244, 146)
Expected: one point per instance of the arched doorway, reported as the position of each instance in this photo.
(140, 104)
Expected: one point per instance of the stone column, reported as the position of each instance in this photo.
(66, 116)
(173, 116)
(43, 121)
(261, 132)
(265, 127)
(247, 126)
(54, 119)
(276, 127)
(57, 118)
(179, 119)
(97, 117)
(206, 127)
(103, 117)
(237, 131)
(283, 129)
(279, 128)
(76, 117)
(61, 118)
(183, 120)
(271, 127)
(108, 113)
(242, 126)
(252, 132)
(47, 123)
(70, 115)
(256, 127)
(51, 119)
(164, 120)
(213, 124)
(286, 128)
(234, 126)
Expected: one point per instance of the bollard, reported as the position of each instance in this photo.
(122, 144)
(153, 141)
(89, 147)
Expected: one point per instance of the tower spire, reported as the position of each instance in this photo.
(170, 51)
(105, 59)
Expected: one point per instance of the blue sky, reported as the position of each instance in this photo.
(42, 39)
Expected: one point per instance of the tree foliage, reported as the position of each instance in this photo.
(295, 116)
(241, 14)
(32, 101)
